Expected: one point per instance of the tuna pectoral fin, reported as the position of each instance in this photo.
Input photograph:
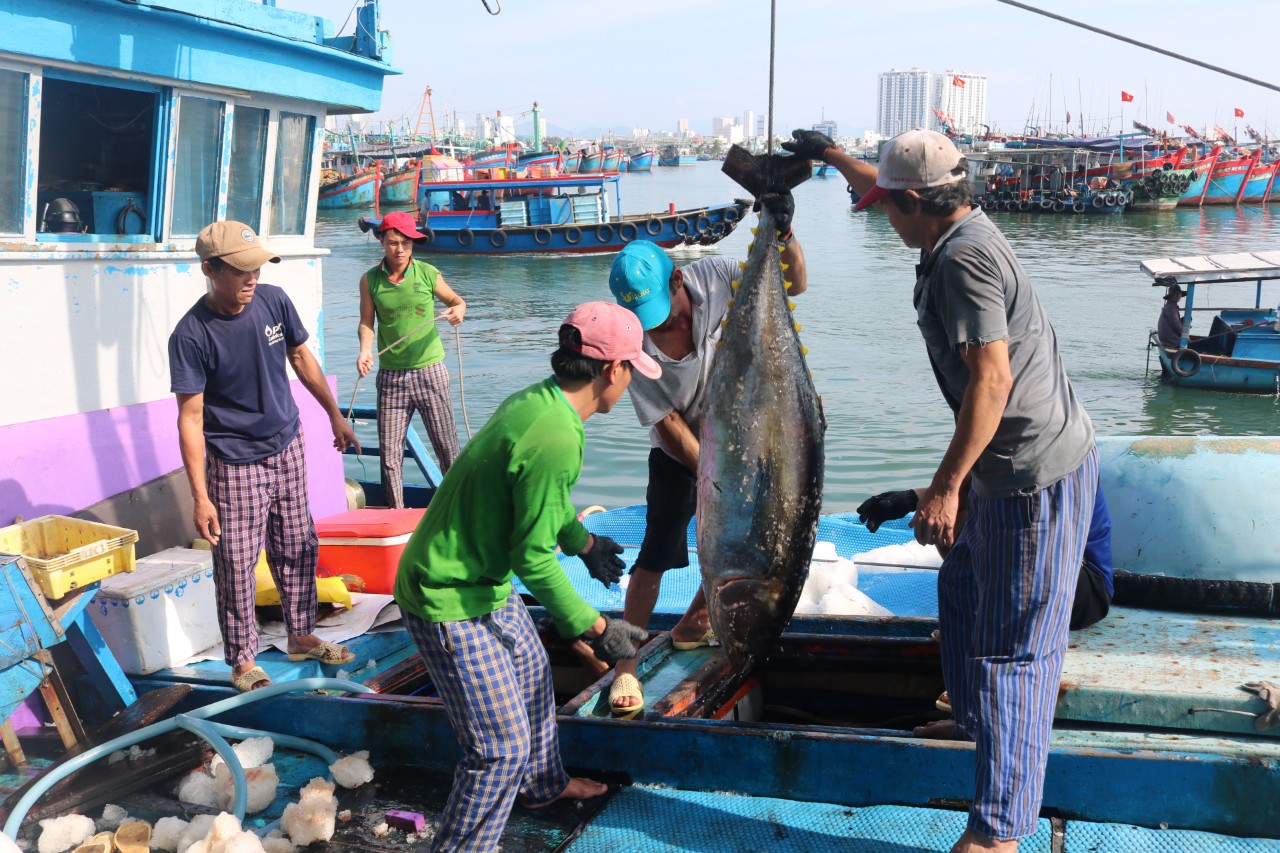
(762, 173)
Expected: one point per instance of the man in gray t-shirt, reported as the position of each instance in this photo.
(1025, 446)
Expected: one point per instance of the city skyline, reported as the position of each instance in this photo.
(829, 54)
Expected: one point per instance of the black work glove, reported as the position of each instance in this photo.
(1270, 693)
(781, 207)
(617, 641)
(809, 144)
(603, 561)
(886, 506)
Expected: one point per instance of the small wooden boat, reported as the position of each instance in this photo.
(1241, 352)
(569, 214)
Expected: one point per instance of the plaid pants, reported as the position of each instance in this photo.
(494, 677)
(400, 394)
(262, 504)
(1004, 602)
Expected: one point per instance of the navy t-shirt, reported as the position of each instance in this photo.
(238, 362)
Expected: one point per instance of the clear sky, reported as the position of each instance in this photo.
(594, 63)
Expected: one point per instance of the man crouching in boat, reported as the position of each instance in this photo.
(501, 510)
(1024, 445)
(241, 441)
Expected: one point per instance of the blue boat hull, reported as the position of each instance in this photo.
(355, 191)
(641, 162)
(1219, 373)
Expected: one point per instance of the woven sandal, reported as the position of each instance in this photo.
(625, 686)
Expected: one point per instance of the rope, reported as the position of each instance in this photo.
(462, 382)
(773, 40)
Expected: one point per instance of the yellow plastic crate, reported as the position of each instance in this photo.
(68, 553)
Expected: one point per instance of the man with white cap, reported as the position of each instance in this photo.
(681, 311)
(1025, 447)
(500, 511)
(242, 445)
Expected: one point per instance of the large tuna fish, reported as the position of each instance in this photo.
(760, 465)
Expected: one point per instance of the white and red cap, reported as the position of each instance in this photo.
(916, 160)
(612, 333)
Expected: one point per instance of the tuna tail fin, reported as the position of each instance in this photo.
(762, 173)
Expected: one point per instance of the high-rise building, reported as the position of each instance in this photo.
(722, 126)
(749, 125)
(826, 126)
(484, 126)
(962, 99)
(905, 100)
(682, 127)
(911, 99)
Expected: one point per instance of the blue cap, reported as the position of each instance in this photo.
(640, 280)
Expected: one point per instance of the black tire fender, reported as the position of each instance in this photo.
(653, 226)
(628, 231)
(466, 236)
(683, 226)
(604, 233)
(542, 236)
(573, 235)
(497, 239)
(1193, 362)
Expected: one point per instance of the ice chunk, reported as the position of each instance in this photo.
(112, 817)
(844, 600)
(252, 752)
(136, 752)
(381, 830)
(312, 817)
(167, 831)
(224, 830)
(344, 816)
(63, 833)
(199, 788)
(118, 755)
(195, 832)
(352, 771)
(262, 787)
(906, 554)
(7, 844)
(278, 845)
(826, 570)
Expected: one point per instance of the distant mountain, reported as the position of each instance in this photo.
(621, 131)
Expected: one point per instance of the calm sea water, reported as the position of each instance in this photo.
(888, 423)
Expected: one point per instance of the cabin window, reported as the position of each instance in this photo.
(13, 146)
(248, 160)
(97, 151)
(195, 179)
(294, 143)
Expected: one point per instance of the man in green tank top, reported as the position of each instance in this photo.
(401, 292)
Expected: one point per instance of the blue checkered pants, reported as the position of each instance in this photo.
(1004, 603)
(495, 679)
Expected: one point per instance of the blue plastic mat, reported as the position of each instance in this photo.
(645, 819)
(904, 592)
(1093, 837)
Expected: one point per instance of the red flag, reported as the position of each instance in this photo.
(1125, 96)
(1170, 118)
(959, 81)
(1239, 113)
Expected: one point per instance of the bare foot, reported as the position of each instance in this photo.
(973, 842)
(937, 730)
(577, 789)
(304, 644)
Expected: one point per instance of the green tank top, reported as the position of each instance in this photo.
(402, 307)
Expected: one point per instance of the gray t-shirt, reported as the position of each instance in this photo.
(682, 387)
(1169, 329)
(972, 290)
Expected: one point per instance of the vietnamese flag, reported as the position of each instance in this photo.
(1239, 113)
(959, 81)
(1125, 96)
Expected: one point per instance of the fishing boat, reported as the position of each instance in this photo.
(1230, 178)
(348, 181)
(677, 155)
(572, 162)
(1160, 189)
(400, 186)
(1201, 169)
(569, 214)
(592, 161)
(642, 161)
(1241, 352)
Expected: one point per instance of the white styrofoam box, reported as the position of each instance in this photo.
(162, 613)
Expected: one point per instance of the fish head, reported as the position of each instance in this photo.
(745, 610)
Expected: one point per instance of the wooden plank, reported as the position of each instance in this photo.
(12, 747)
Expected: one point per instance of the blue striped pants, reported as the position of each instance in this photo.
(1004, 603)
(495, 679)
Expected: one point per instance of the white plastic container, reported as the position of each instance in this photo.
(162, 613)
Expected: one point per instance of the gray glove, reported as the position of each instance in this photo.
(1270, 693)
(602, 560)
(886, 506)
(616, 641)
(810, 144)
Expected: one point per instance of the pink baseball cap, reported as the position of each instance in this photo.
(612, 333)
(402, 222)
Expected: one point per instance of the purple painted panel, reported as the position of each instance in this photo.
(62, 465)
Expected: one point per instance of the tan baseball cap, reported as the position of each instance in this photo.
(235, 243)
(915, 160)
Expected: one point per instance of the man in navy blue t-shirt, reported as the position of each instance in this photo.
(242, 445)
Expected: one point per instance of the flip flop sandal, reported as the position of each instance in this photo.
(134, 836)
(689, 645)
(250, 679)
(625, 686)
(331, 654)
(943, 703)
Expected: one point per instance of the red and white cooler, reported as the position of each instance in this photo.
(366, 543)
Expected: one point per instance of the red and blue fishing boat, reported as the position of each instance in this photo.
(400, 187)
(567, 214)
(572, 162)
(359, 189)
(592, 161)
(642, 161)
(1228, 179)
(612, 160)
(1201, 169)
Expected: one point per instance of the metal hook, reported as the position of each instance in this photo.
(490, 11)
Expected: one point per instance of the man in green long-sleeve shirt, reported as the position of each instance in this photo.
(501, 510)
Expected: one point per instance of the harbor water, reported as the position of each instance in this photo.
(888, 424)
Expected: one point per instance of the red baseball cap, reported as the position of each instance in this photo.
(402, 222)
(612, 333)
